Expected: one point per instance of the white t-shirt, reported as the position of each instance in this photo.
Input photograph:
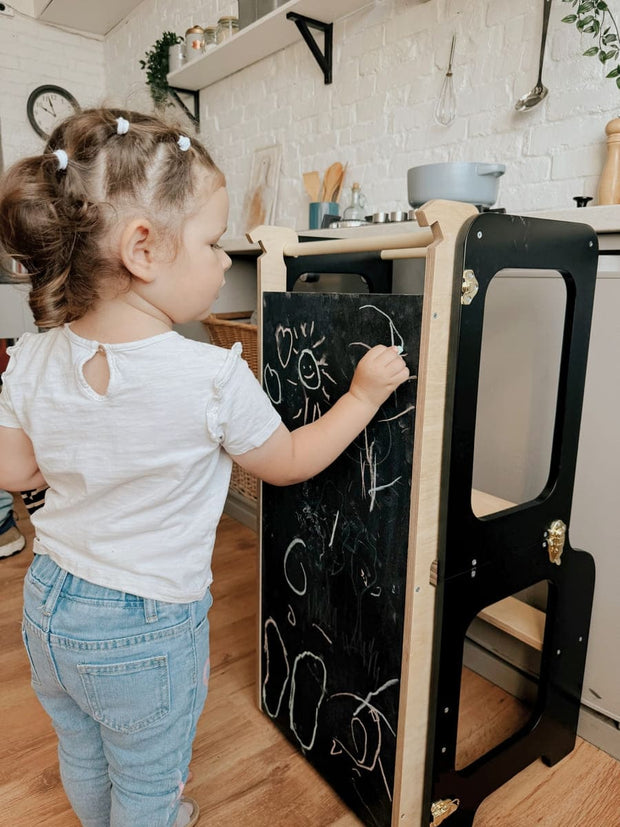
(137, 476)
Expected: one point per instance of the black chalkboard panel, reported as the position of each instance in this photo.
(334, 548)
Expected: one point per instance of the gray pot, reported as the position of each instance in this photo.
(472, 183)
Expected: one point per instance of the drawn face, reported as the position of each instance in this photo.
(308, 370)
(302, 364)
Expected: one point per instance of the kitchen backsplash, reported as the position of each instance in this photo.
(389, 63)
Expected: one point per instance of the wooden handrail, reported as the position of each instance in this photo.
(420, 238)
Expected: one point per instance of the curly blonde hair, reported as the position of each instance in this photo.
(57, 220)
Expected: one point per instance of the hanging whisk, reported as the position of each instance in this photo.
(445, 111)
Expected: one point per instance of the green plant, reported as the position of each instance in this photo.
(156, 67)
(594, 17)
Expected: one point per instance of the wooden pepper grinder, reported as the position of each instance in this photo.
(609, 183)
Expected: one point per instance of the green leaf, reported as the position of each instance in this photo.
(570, 18)
(614, 73)
(593, 50)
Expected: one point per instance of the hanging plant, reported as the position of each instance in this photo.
(594, 17)
(156, 67)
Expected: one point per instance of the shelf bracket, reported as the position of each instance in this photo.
(193, 116)
(324, 59)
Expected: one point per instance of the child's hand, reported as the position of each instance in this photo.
(379, 373)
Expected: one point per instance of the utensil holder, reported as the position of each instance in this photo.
(317, 210)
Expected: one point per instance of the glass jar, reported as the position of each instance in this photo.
(210, 37)
(176, 56)
(355, 210)
(226, 28)
(194, 42)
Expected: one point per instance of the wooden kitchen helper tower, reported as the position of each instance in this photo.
(372, 572)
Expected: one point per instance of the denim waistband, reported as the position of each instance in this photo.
(50, 575)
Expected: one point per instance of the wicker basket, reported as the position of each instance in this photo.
(224, 330)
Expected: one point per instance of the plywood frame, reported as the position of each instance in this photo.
(440, 223)
(423, 767)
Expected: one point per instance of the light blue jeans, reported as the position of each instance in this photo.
(124, 680)
(6, 510)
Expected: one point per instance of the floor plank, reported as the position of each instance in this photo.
(245, 772)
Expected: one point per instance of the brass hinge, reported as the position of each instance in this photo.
(555, 536)
(441, 810)
(469, 287)
(434, 573)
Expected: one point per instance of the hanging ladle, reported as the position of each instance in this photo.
(539, 92)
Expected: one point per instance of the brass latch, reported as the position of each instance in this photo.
(441, 810)
(555, 537)
(469, 287)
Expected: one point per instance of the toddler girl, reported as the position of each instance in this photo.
(133, 428)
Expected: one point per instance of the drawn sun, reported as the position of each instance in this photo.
(303, 362)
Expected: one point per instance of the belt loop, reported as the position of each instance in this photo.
(150, 610)
(52, 598)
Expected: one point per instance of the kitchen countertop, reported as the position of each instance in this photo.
(604, 220)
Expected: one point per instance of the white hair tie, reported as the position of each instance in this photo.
(184, 143)
(63, 158)
(122, 126)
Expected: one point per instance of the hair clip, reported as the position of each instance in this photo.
(184, 143)
(62, 157)
(122, 126)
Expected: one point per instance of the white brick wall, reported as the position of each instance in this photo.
(389, 63)
(32, 54)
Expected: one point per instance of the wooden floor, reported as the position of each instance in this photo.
(245, 773)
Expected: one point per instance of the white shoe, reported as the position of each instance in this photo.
(11, 541)
(188, 812)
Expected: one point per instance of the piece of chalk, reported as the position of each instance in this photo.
(399, 348)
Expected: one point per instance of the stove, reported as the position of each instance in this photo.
(331, 222)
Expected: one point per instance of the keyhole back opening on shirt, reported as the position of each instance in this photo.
(96, 371)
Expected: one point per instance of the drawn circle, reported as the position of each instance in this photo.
(272, 384)
(287, 568)
(276, 668)
(308, 685)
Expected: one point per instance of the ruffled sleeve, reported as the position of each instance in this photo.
(240, 415)
(8, 416)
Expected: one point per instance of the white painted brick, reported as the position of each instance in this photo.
(586, 159)
(389, 63)
(32, 54)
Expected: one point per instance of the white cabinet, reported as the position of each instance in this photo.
(518, 385)
(98, 18)
(15, 315)
(594, 525)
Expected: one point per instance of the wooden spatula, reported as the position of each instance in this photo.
(330, 181)
(312, 183)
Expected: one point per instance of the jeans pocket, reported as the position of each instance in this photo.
(33, 672)
(128, 696)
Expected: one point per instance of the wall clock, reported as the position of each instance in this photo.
(48, 106)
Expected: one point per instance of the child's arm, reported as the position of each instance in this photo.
(18, 467)
(288, 457)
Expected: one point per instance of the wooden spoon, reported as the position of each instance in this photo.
(312, 183)
(330, 181)
(336, 193)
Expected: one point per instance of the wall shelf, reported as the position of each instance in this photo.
(267, 35)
